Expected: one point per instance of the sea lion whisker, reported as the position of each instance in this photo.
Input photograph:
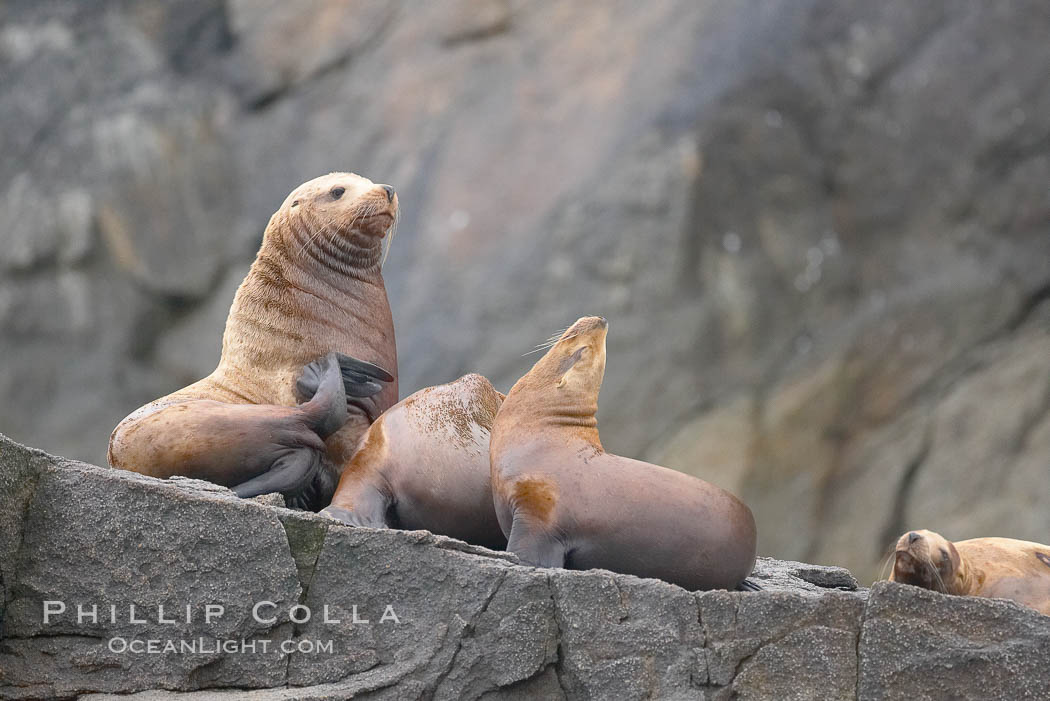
(940, 582)
(552, 339)
(390, 238)
(309, 240)
(885, 564)
(332, 232)
(537, 349)
(549, 343)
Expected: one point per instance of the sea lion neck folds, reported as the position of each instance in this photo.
(563, 501)
(316, 287)
(561, 390)
(336, 222)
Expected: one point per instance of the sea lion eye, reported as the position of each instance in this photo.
(337, 192)
(944, 555)
(296, 203)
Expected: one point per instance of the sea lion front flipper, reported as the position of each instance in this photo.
(360, 379)
(749, 585)
(290, 471)
(326, 410)
(298, 471)
(534, 546)
(356, 371)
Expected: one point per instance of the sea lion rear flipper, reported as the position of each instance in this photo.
(288, 474)
(317, 492)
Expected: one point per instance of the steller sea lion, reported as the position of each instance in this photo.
(995, 568)
(563, 501)
(424, 465)
(316, 286)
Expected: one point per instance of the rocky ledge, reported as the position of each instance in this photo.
(413, 615)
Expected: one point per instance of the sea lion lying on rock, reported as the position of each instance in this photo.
(424, 465)
(996, 568)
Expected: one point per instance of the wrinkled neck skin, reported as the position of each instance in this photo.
(547, 415)
(312, 289)
(323, 248)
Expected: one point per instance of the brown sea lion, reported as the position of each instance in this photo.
(316, 286)
(563, 501)
(424, 465)
(995, 568)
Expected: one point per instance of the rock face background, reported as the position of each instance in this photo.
(472, 624)
(820, 229)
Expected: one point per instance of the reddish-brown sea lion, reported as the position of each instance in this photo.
(563, 501)
(995, 568)
(316, 286)
(424, 464)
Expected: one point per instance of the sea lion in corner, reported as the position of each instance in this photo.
(995, 568)
(316, 286)
(424, 465)
(563, 501)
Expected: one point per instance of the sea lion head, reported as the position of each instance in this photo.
(927, 559)
(339, 219)
(566, 380)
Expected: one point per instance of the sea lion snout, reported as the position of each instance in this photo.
(927, 559)
(586, 324)
(910, 552)
(345, 203)
(373, 211)
(911, 541)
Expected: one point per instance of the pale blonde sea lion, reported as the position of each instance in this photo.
(316, 286)
(997, 568)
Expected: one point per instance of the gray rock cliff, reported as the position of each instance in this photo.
(820, 229)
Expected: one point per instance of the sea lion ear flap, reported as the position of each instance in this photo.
(567, 364)
(956, 560)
